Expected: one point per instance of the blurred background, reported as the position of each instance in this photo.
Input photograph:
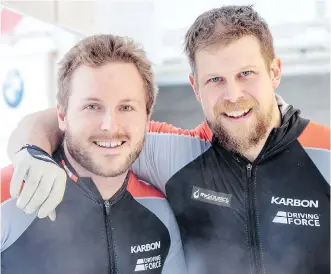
(36, 34)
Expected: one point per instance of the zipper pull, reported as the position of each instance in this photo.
(107, 207)
(249, 170)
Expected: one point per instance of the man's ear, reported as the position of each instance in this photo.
(276, 71)
(61, 117)
(194, 85)
(149, 117)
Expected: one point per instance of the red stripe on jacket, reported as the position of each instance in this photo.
(316, 136)
(202, 131)
(6, 174)
(140, 189)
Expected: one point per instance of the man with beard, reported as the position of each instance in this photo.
(106, 212)
(252, 194)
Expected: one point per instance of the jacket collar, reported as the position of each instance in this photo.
(86, 183)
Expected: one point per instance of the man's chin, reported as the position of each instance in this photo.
(108, 168)
(232, 138)
(114, 166)
(110, 173)
(235, 131)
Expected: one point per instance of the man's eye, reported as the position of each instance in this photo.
(126, 108)
(246, 73)
(92, 107)
(215, 79)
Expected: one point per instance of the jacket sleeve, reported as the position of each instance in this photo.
(315, 139)
(13, 220)
(167, 149)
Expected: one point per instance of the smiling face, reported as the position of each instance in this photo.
(236, 90)
(106, 117)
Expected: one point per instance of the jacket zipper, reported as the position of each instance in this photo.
(252, 225)
(109, 238)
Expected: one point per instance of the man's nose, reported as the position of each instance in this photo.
(109, 122)
(233, 92)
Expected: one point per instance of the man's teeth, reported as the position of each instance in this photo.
(109, 144)
(237, 113)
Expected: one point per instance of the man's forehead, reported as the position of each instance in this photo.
(229, 57)
(108, 71)
(246, 45)
(118, 77)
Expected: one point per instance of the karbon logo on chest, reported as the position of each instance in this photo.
(145, 247)
(294, 202)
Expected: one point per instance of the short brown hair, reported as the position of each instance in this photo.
(98, 50)
(223, 26)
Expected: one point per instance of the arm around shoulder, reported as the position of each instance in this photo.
(39, 128)
(167, 149)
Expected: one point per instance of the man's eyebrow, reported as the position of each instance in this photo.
(212, 75)
(247, 67)
(92, 99)
(123, 101)
(243, 68)
(208, 76)
(128, 100)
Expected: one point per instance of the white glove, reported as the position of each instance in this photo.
(44, 182)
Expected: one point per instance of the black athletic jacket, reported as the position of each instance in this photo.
(270, 216)
(133, 232)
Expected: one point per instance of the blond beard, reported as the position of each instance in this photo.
(82, 157)
(247, 139)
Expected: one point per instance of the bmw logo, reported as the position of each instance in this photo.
(13, 88)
